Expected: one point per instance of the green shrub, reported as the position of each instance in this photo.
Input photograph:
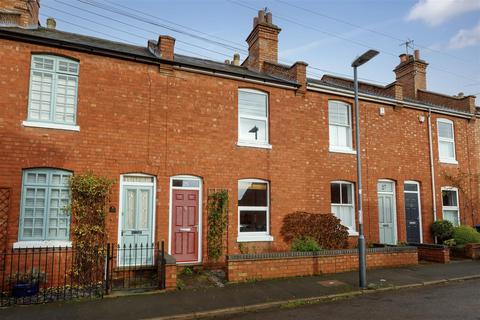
(465, 234)
(325, 229)
(442, 229)
(306, 244)
(450, 242)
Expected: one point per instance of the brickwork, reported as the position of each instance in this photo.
(170, 277)
(434, 253)
(268, 267)
(135, 117)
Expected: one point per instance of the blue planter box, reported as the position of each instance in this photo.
(27, 289)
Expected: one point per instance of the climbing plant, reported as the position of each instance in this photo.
(89, 197)
(217, 223)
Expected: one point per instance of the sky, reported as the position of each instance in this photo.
(327, 34)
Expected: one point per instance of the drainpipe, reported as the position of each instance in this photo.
(432, 169)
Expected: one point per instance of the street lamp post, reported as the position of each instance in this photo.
(362, 268)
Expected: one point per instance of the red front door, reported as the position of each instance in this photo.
(185, 225)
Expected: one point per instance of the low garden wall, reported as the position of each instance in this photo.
(244, 267)
(432, 252)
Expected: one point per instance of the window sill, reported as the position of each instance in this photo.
(254, 145)
(346, 151)
(448, 161)
(352, 233)
(258, 238)
(42, 244)
(48, 125)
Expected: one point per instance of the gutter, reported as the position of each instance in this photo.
(230, 76)
(385, 100)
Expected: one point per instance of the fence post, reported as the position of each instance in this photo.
(107, 270)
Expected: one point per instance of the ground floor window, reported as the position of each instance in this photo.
(45, 199)
(342, 206)
(450, 208)
(253, 209)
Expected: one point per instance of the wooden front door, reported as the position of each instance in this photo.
(185, 225)
(386, 212)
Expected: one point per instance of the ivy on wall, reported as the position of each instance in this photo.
(217, 223)
(89, 197)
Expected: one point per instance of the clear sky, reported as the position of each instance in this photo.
(327, 34)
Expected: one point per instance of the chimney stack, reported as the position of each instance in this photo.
(411, 74)
(262, 42)
(19, 13)
(163, 48)
(236, 59)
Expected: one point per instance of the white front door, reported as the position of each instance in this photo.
(136, 222)
(387, 214)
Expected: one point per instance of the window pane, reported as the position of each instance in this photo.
(131, 198)
(252, 104)
(253, 221)
(143, 209)
(346, 193)
(338, 113)
(445, 130)
(252, 194)
(452, 216)
(335, 192)
(446, 150)
(253, 130)
(385, 187)
(138, 179)
(345, 214)
(410, 187)
(449, 198)
(186, 183)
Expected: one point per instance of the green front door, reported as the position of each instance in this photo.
(137, 222)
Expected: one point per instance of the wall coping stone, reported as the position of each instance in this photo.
(321, 253)
(428, 245)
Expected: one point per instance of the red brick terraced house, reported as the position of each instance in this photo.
(169, 128)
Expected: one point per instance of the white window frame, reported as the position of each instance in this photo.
(451, 208)
(52, 123)
(447, 140)
(419, 203)
(250, 143)
(352, 230)
(260, 235)
(341, 149)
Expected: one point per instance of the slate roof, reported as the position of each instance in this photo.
(70, 40)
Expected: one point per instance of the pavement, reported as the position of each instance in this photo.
(248, 296)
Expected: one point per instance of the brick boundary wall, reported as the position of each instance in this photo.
(244, 267)
(472, 250)
(433, 252)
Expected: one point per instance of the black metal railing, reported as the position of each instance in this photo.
(135, 266)
(40, 275)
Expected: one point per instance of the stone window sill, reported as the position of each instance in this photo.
(48, 125)
(42, 244)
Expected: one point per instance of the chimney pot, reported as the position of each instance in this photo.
(403, 57)
(227, 61)
(416, 54)
(261, 16)
(236, 59)
(269, 18)
(460, 94)
(51, 23)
